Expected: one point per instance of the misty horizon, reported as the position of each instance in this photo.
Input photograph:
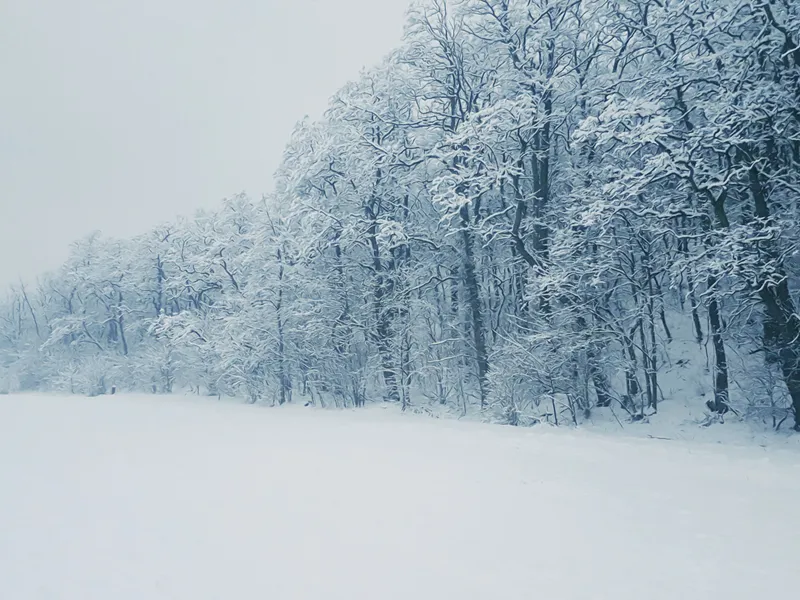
(117, 118)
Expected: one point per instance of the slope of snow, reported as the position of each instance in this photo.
(175, 498)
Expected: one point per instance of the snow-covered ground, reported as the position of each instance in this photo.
(131, 498)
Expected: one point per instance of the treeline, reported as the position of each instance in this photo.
(515, 211)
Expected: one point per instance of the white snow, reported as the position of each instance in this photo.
(131, 498)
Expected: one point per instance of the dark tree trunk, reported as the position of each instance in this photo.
(720, 402)
(783, 324)
(781, 314)
(698, 328)
(474, 302)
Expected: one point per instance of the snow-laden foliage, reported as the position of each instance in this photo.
(515, 211)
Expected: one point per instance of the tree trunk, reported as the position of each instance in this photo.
(474, 302)
(780, 309)
(720, 402)
(383, 326)
(784, 323)
(283, 376)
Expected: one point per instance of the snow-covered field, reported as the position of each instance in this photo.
(132, 498)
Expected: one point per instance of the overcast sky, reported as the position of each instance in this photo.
(120, 114)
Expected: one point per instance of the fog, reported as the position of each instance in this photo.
(118, 115)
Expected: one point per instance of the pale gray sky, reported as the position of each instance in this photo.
(120, 114)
